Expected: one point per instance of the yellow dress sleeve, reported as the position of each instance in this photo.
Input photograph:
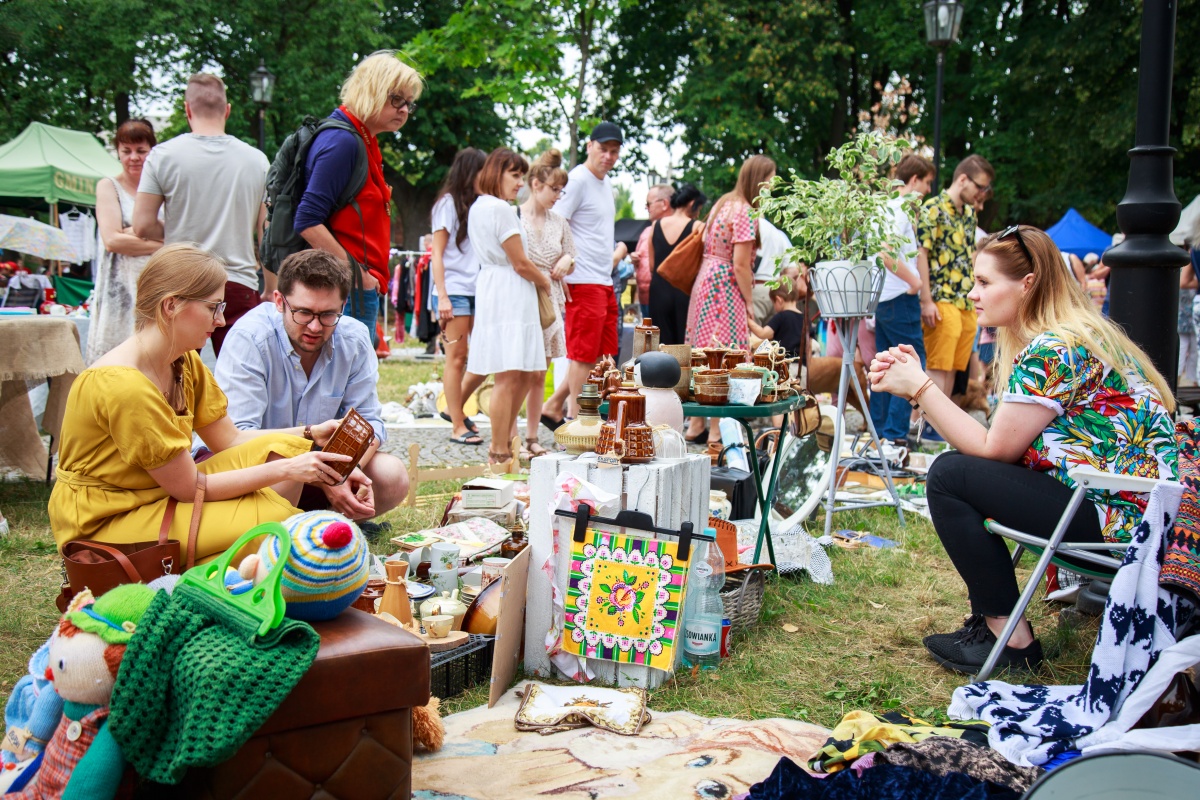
(209, 403)
(142, 425)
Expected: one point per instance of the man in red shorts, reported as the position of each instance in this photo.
(591, 323)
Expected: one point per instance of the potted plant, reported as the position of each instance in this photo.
(841, 225)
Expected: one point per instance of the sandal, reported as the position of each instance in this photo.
(495, 459)
(533, 447)
(701, 438)
(470, 437)
(552, 423)
(470, 423)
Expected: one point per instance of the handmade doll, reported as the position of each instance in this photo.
(82, 759)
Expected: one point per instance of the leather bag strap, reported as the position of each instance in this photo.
(194, 526)
(168, 517)
(122, 559)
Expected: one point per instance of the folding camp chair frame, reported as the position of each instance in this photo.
(1051, 549)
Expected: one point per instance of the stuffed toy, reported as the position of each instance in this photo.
(32, 714)
(327, 568)
(82, 759)
(428, 731)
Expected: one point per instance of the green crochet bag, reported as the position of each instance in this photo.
(205, 669)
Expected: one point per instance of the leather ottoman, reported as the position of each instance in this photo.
(344, 732)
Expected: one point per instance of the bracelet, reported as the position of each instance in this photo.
(308, 433)
(912, 401)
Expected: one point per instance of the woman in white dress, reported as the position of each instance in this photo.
(507, 341)
(124, 254)
(552, 250)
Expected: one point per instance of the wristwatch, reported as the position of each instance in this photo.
(308, 433)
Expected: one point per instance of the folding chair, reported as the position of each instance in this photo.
(1050, 549)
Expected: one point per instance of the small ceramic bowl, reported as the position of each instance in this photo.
(712, 395)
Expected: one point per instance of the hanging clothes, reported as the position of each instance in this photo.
(80, 228)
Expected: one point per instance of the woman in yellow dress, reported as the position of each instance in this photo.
(125, 449)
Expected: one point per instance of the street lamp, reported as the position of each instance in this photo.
(942, 20)
(653, 178)
(1144, 287)
(262, 86)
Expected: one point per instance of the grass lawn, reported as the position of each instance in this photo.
(857, 643)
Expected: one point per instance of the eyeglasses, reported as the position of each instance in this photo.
(303, 316)
(1016, 229)
(983, 189)
(218, 308)
(398, 102)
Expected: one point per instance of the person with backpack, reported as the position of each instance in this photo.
(378, 97)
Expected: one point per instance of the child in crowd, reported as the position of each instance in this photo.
(786, 326)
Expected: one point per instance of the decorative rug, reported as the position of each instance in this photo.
(676, 756)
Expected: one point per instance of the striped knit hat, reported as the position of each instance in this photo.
(327, 569)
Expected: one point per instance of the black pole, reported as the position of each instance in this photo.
(937, 120)
(262, 127)
(1144, 288)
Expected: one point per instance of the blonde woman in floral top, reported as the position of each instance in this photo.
(1077, 392)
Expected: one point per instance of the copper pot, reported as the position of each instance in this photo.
(626, 432)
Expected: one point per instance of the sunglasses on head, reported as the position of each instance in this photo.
(1015, 230)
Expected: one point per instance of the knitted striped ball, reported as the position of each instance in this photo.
(327, 568)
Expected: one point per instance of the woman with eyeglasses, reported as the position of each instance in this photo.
(378, 97)
(508, 341)
(552, 250)
(125, 448)
(1076, 390)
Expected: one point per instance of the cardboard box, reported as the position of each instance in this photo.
(487, 493)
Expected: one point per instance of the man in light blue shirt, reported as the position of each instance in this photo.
(297, 362)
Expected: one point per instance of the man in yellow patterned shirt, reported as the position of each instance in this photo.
(946, 232)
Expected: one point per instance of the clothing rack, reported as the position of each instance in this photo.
(400, 259)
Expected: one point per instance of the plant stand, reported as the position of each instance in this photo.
(848, 294)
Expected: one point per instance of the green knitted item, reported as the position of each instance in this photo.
(196, 683)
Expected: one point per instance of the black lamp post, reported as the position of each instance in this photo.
(653, 178)
(942, 21)
(1144, 287)
(262, 86)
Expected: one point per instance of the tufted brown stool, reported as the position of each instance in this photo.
(344, 732)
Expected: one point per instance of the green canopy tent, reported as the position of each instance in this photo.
(44, 166)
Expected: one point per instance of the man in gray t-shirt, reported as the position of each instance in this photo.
(210, 187)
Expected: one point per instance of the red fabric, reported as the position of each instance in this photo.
(61, 757)
(375, 202)
(591, 324)
(641, 264)
(238, 300)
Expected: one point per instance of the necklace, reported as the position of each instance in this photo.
(158, 381)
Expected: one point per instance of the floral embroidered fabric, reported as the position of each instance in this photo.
(625, 599)
(1108, 420)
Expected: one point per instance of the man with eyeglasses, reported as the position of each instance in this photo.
(658, 205)
(946, 233)
(298, 362)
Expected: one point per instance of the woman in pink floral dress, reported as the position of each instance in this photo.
(717, 313)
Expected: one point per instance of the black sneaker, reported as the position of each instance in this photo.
(971, 645)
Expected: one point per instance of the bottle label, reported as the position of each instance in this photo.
(702, 569)
(702, 637)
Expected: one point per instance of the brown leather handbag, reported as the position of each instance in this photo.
(681, 267)
(100, 566)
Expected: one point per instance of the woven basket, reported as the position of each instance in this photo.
(743, 597)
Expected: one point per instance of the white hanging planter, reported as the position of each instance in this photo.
(847, 288)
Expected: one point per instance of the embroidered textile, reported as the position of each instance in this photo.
(1135, 646)
(624, 599)
(1181, 561)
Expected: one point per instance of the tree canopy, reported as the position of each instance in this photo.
(1044, 89)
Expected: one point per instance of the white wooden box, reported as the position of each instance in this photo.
(671, 491)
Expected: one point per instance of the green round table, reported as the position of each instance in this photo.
(743, 414)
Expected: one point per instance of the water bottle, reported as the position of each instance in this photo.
(704, 609)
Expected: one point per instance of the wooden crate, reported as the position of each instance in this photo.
(671, 491)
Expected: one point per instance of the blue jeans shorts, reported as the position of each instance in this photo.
(463, 305)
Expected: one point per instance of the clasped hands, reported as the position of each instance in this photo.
(353, 498)
(897, 371)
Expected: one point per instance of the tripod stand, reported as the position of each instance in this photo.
(847, 295)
